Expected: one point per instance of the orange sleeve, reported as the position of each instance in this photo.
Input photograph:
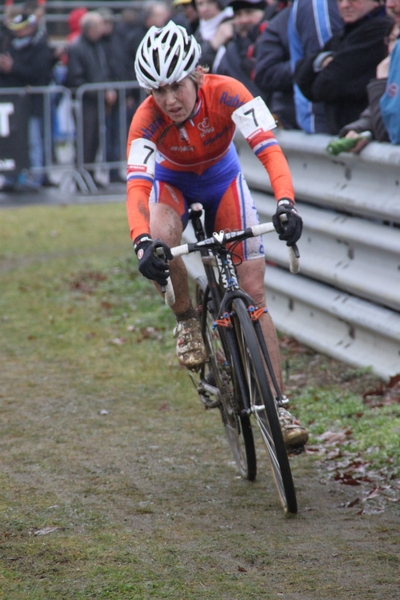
(268, 151)
(141, 159)
(276, 165)
(137, 207)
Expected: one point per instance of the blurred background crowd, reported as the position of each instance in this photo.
(322, 66)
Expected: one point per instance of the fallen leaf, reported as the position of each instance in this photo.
(118, 341)
(45, 530)
(374, 493)
(333, 437)
(353, 503)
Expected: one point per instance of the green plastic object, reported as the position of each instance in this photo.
(343, 144)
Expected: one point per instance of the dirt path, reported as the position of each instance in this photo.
(147, 495)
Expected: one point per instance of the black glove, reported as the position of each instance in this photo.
(150, 264)
(287, 221)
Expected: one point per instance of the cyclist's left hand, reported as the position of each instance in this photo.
(287, 221)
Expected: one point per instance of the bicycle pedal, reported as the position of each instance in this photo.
(208, 403)
(205, 390)
(282, 401)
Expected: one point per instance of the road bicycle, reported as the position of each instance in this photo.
(234, 377)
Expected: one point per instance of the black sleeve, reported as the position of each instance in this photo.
(304, 75)
(272, 70)
(353, 65)
(76, 74)
(35, 69)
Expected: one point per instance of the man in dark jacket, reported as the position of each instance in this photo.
(26, 60)
(340, 73)
(87, 63)
(114, 47)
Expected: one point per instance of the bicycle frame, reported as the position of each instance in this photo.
(228, 280)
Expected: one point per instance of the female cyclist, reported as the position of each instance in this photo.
(180, 151)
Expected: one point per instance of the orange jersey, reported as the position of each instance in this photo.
(190, 155)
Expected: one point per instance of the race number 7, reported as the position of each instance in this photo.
(151, 151)
(253, 113)
(142, 156)
(253, 116)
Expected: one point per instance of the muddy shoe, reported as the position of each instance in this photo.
(294, 435)
(190, 347)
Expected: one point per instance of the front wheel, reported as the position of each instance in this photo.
(263, 406)
(218, 373)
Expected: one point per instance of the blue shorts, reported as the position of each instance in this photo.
(224, 194)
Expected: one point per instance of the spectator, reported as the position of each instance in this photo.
(390, 101)
(311, 25)
(87, 63)
(236, 59)
(26, 60)
(128, 23)
(186, 15)
(155, 13)
(372, 118)
(37, 8)
(273, 72)
(338, 75)
(215, 28)
(114, 50)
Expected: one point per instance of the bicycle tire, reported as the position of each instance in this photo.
(219, 371)
(263, 406)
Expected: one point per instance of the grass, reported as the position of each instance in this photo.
(114, 482)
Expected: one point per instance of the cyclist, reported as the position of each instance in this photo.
(180, 151)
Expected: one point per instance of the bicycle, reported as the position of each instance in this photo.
(234, 377)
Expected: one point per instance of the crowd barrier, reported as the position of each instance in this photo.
(122, 130)
(345, 302)
(62, 126)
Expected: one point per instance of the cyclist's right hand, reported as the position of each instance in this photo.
(150, 264)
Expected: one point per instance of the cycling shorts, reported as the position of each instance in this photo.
(224, 194)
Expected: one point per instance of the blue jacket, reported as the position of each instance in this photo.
(311, 24)
(390, 101)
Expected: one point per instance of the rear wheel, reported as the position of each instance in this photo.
(263, 406)
(219, 373)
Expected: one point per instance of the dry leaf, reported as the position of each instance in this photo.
(45, 530)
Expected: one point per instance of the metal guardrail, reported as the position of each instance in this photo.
(367, 185)
(346, 301)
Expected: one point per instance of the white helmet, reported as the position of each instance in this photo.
(165, 56)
